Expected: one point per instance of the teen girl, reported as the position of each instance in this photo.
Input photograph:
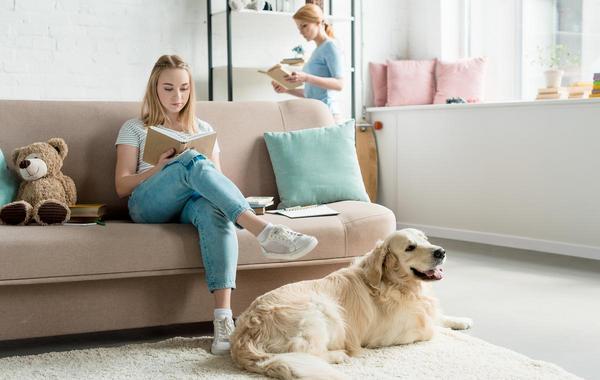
(191, 189)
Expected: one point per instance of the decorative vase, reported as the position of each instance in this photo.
(553, 78)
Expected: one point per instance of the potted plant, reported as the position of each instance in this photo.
(298, 51)
(554, 58)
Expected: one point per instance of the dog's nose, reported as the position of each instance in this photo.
(439, 253)
(24, 164)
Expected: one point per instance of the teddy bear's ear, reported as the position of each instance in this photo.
(60, 145)
(14, 156)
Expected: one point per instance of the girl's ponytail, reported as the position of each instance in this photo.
(329, 29)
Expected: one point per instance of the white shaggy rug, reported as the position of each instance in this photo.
(450, 355)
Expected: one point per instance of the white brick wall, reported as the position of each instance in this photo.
(91, 49)
(104, 50)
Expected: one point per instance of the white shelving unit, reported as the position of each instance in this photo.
(243, 42)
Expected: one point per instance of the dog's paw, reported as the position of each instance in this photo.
(458, 323)
(337, 357)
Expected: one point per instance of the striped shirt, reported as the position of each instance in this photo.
(133, 133)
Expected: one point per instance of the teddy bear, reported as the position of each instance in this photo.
(45, 193)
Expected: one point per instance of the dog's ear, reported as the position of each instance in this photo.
(373, 264)
(419, 233)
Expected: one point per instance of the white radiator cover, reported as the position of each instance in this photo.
(518, 174)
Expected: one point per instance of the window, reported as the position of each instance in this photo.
(515, 34)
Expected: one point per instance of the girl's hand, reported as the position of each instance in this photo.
(297, 77)
(165, 157)
(278, 88)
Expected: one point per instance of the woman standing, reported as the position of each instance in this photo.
(322, 75)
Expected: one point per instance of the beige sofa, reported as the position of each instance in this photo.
(72, 279)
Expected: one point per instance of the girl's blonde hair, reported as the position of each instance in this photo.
(313, 13)
(153, 112)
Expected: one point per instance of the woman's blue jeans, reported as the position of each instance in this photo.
(191, 190)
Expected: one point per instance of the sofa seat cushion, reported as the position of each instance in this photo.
(123, 249)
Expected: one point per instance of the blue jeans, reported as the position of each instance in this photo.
(191, 190)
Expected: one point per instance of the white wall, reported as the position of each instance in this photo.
(516, 174)
(385, 27)
(104, 50)
(424, 37)
(84, 49)
(495, 35)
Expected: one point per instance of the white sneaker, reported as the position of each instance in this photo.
(285, 244)
(223, 328)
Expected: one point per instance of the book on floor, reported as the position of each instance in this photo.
(160, 139)
(305, 211)
(278, 74)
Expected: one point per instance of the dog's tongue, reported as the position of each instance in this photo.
(435, 274)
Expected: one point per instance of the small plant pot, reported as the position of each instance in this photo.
(553, 78)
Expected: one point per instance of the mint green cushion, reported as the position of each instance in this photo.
(315, 166)
(8, 183)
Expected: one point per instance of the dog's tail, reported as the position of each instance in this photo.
(285, 366)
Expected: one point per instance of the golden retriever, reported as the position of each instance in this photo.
(379, 300)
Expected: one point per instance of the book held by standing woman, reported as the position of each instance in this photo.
(278, 74)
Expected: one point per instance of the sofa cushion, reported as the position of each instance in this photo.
(8, 182)
(123, 249)
(316, 166)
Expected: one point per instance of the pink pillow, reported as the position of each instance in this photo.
(378, 73)
(463, 78)
(410, 82)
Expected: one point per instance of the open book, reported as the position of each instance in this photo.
(160, 139)
(305, 211)
(278, 73)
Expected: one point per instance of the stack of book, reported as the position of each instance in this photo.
(579, 90)
(292, 61)
(87, 212)
(551, 93)
(596, 86)
(259, 204)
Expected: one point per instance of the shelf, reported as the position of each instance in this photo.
(254, 68)
(240, 68)
(579, 34)
(251, 12)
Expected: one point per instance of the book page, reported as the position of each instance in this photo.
(307, 211)
(157, 143)
(179, 135)
(203, 143)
